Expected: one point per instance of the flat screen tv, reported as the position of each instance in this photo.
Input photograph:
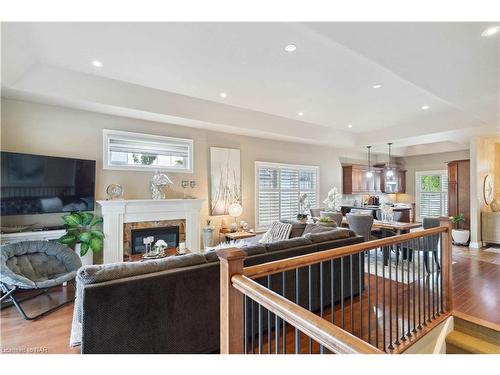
(36, 184)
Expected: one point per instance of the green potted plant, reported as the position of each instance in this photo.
(327, 221)
(82, 235)
(460, 236)
(302, 218)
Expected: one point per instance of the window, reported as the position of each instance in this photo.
(136, 151)
(432, 194)
(278, 189)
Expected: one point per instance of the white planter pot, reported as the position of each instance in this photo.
(87, 259)
(460, 236)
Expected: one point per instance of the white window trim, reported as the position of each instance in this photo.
(418, 175)
(106, 133)
(260, 164)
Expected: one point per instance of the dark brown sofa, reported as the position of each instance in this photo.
(177, 310)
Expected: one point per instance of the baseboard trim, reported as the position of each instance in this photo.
(475, 245)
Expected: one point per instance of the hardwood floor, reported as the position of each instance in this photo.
(476, 291)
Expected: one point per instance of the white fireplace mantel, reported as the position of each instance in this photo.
(117, 212)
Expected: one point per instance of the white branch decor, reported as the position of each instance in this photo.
(333, 201)
(225, 179)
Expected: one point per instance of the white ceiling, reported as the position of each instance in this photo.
(329, 78)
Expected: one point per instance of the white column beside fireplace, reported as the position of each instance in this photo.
(117, 212)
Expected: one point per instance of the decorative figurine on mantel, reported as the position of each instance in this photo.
(158, 182)
(333, 201)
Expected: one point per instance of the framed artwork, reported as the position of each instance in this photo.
(488, 192)
(225, 181)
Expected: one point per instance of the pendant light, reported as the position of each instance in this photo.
(390, 172)
(369, 173)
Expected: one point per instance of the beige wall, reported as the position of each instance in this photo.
(430, 162)
(485, 159)
(49, 130)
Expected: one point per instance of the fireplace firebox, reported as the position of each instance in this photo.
(168, 234)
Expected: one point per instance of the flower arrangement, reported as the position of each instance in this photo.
(333, 201)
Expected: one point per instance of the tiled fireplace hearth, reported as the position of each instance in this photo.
(121, 217)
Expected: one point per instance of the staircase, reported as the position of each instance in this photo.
(473, 336)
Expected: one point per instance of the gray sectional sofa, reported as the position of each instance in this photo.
(172, 305)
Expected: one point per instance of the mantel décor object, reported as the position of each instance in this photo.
(114, 191)
(158, 182)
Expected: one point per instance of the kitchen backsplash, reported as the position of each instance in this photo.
(357, 199)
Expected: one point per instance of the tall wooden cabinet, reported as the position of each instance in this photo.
(459, 189)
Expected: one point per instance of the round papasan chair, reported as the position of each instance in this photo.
(36, 265)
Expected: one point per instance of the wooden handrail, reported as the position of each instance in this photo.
(321, 330)
(287, 264)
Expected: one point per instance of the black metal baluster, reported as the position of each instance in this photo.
(414, 254)
(342, 291)
(424, 279)
(436, 282)
(297, 301)
(408, 285)
(321, 349)
(431, 281)
(396, 323)
(252, 324)
(441, 271)
(438, 271)
(276, 334)
(417, 253)
(383, 301)
(269, 320)
(245, 320)
(369, 304)
(260, 328)
(376, 298)
(419, 241)
(351, 277)
(390, 299)
(332, 291)
(403, 338)
(360, 266)
(434, 286)
(429, 263)
(309, 297)
(283, 282)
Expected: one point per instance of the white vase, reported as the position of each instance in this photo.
(87, 259)
(460, 236)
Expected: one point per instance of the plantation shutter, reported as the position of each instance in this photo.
(279, 188)
(432, 203)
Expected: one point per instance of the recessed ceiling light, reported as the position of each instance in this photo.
(301, 114)
(223, 95)
(290, 47)
(377, 86)
(349, 126)
(490, 31)
(425, 107)
(97, 63)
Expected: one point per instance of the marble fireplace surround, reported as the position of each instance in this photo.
(116, 213)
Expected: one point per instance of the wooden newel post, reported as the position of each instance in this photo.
(446, 262)
(231, 302)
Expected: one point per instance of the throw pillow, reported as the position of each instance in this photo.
(315, 228)
(278, 231)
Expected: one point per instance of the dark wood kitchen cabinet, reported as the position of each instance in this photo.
(459, 190)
